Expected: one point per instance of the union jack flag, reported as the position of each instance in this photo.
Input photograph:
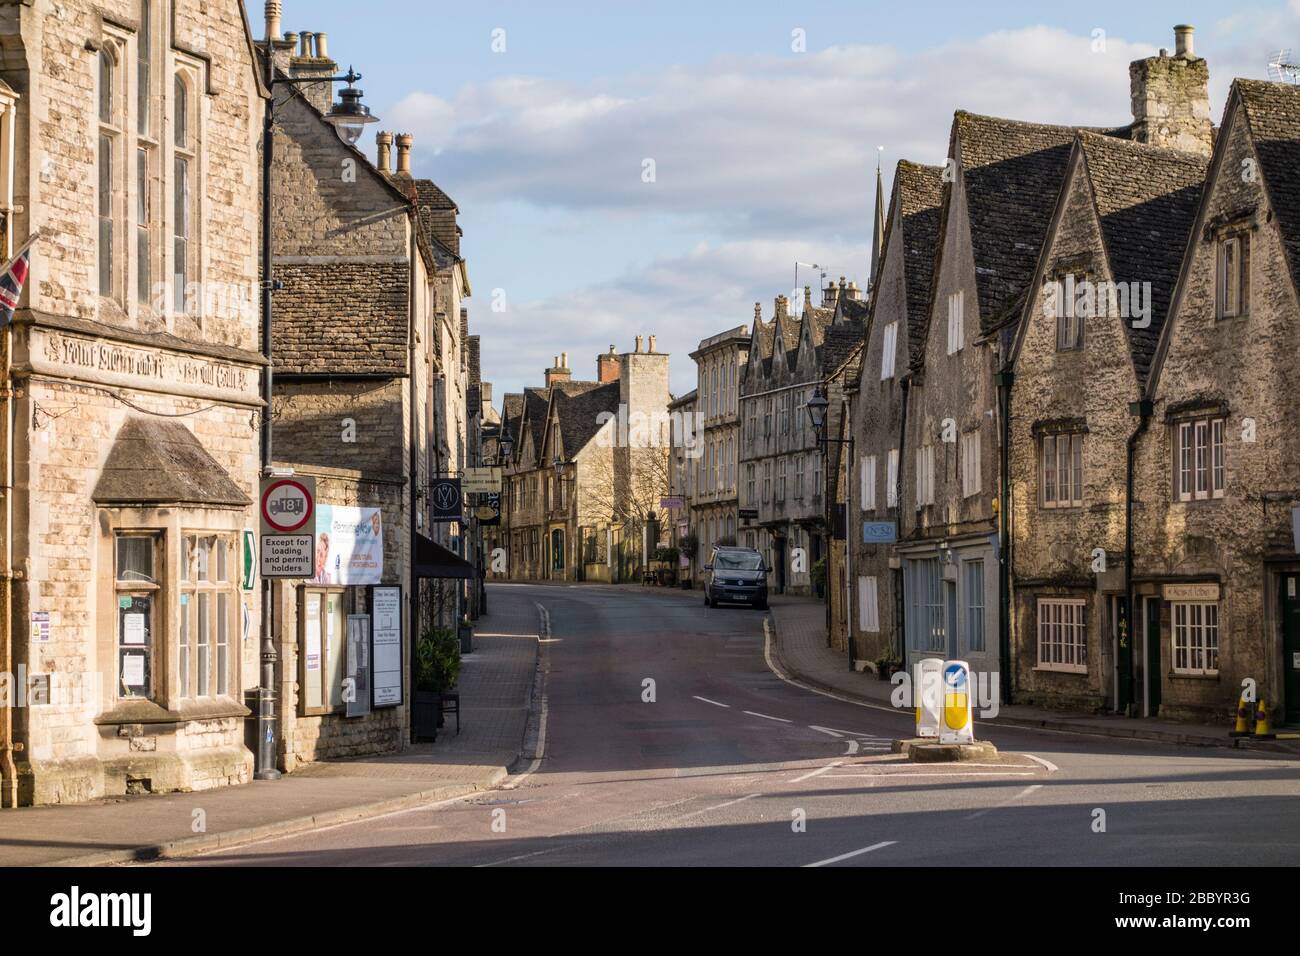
(11, 285)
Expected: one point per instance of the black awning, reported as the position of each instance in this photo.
(432, 560)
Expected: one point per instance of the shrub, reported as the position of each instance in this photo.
(437, 660)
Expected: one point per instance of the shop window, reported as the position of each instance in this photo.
(209, 600)
(138, 596)
(1062, 635)
(322, 632)
(1196, 638)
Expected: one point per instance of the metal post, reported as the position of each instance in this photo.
(266, 769)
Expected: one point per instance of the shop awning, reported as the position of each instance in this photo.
(432, 560)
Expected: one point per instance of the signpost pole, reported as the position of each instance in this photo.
(266, 769)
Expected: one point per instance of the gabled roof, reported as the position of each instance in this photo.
(918, 197)
(577, 407)
(1146, 199)
(1012, 173)
(1273, 117)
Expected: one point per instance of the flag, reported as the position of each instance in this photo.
(11, 284)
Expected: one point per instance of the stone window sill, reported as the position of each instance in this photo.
(149, 712)
(1179, 675)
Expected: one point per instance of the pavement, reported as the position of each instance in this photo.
(666, 739)
(496, 686)
(800, 650)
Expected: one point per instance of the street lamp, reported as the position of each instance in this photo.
(348, 117)
(505, 446)
(817, 406)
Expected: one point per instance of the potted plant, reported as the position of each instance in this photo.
(466, 633)
(818, 576)
(437, 668)
(887, 665)
(667, 558)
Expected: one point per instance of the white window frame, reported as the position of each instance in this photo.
(970, 464)
(1051, 494)
(891, 479)
(888, 349)
(1194, 629)
(868, 604)
(925, 475)
(1232, 279)
(956, 321)
(868, 480)
(1200, 459)
(1062, 635)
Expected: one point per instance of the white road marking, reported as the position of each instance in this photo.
(511, 859)
(766, 717)
(713, 702)
(1051, 767)
(813, 773)
(1023, 793)
(825, 730)
(729, 803)
(909, 773)
(853, 747)
(853, 853)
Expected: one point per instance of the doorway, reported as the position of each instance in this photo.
(778, 563)
(1290, 608)
(1151, 657)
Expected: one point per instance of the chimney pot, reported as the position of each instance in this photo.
(306, 39)
(384, 160)
(404, 141)
(564, 360)
(322, 46)
(652, 343)
(291, 41)
(638, 343)
(273, 11)
(1183, 45)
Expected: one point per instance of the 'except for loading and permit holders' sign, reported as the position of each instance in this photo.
(287, 509)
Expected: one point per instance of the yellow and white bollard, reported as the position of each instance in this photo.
(957, 724)
(928, 691)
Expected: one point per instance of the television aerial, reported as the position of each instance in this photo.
(1281, 68)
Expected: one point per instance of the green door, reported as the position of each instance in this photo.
(1290, 605)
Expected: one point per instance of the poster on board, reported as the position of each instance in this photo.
(349, 545)
(386, 638)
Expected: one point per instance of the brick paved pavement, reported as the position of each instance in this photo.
(496, 686)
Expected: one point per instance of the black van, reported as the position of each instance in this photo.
(736, 575)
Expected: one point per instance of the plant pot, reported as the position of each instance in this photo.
(466, 638)
(426, 714)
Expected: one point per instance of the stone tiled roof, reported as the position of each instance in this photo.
(438, 216)
(1146, 202)
(534, 414)
(1012, 173)
(919, 192)
(1273, 115)
(161, 462)
(512, 411)
(838, 343)
(578, 406)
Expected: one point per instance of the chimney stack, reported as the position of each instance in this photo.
(1171, 98)
(607, 367)
(273, 11)
(404, 141)
(557, 373)
(384, 159)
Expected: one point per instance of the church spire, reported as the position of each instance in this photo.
(880, 218)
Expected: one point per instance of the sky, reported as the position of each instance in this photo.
(626, 168)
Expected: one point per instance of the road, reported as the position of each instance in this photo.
(720, 762)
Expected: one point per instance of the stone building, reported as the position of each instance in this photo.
(1217, 536)
(682, 474)
(714, 509)
(366, 345)
(996, 207)
(588, 470)
(781, 464)
(131, 445)
(899, 317)
(1080, 362)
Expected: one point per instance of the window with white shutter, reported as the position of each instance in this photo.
(868, 605)
(868, 495)
(970, 464)
(888, 347)
(956, 327)
(891, 479)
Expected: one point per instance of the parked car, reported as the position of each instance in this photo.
(736, 576)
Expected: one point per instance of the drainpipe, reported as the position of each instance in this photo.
(1005, 380)
(1144, 409)
(413, 582)
(8, 766)
(901, 624)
